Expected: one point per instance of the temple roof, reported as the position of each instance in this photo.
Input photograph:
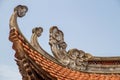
(36, 64)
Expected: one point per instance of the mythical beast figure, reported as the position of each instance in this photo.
(74, 58)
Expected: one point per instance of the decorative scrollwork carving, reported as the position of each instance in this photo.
(58, 46)
(74, 58)
(21, 10)
(78, 59)
(36, 32)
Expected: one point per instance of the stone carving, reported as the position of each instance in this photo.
(58, 46)
(74, 58)
(21, 58)
(21, 10)
(36, 32)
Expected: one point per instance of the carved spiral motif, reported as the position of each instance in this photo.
(37, 31)
(21, 10)
(56, 35)
(76, 59)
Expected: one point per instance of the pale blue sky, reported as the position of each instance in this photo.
(90, 25)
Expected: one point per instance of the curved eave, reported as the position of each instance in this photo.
(47, 66)
(17, 32)
(55, 70)
(24, 40)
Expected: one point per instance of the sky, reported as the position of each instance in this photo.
(89, 25)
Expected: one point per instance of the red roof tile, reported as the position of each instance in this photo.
(54, 69)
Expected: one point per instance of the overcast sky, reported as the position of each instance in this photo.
(89, 25)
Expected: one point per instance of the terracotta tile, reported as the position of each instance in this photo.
(56, 70)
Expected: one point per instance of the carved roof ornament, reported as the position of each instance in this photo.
(74, 58)
(37, 64)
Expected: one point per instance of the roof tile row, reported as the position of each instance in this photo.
(58, 71)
